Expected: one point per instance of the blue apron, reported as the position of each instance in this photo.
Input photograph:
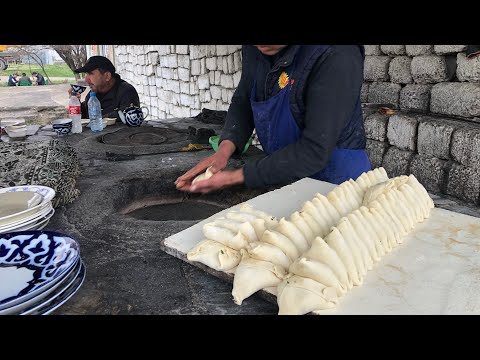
(276, 128)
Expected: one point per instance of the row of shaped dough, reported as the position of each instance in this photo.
(265, 263)
(334, 264)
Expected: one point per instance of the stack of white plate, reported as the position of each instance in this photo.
(39, 271)
(27, 207)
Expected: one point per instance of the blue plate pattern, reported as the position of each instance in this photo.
(47, 253)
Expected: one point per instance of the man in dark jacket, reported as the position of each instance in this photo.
(111, 90)
(12, 79)
(304, 103)
(40, 79)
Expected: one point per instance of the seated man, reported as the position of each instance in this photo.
(40, 79)
(24, 80)
(111, 90)
(12, 79)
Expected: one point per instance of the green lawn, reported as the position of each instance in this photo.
(61, 70)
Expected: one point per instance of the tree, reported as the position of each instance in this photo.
(75, 56)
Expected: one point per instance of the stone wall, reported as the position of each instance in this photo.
(433, 91)
(181, 80)
(433, 130)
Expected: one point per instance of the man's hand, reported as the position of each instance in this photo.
(217, 161)
(79, 96)
(220, 180)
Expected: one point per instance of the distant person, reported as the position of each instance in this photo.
(24, 80)
(12, 79)
(112, 91)
(40, 80)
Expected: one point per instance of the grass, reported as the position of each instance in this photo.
(59, 70)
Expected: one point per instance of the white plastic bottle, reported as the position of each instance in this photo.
(74, 113)
(95, 113)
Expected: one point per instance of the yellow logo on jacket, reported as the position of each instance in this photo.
(283, 80)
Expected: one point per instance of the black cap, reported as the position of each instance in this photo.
(97, 62)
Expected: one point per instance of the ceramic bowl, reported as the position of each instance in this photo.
(62, 126)
(32, 260)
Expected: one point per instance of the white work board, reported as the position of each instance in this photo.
(436, 270)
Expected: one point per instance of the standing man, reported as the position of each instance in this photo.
(112, 91)
(304, 103)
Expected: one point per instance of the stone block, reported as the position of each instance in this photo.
(393, 50)
(415, 97)
(463, 182)
(402, 131)
(376, 150)
(372, 50)
(396, 162)
(468, 69)
(376, 127)
(364, 92)
(416, 50)
(448, 49)
(434, 137)
(399, 70)
(466, 145)
(430, 172)
(375, 68)
(429, 69)
(384, 93)
(460, 99)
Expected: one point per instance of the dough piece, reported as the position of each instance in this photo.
(282, 242)
(415, 206)
(379, 237)
(214, 255)
(270, 220)
(420, 189)
(372, 177)
(361, 256)
(380, 175)
(340, 205)
(363, 181)
(203, 176)
(241, 216)
(245, 227)
(357, 188)
(351, 194)
(336, 241)
(312, 210)
(400, 180)
(323, 213)
(259, 226)
(298, 295)
(302, 225)
(360, 227)
(262, 250)
(400, 205)
(387, 224)
(315, 226)
(332, 210)
(374, 191)
(400, 222)
(252, 275)
(234, 240)
(322, 252)
(317, 271)
(289, 229)
(347, 195)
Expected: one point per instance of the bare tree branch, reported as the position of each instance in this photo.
(75, 56)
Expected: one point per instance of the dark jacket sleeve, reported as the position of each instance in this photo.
(127, 95)
(239, 121)
(331, 93)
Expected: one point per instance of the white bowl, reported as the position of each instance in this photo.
(16, 131)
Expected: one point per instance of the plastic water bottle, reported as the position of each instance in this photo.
(74, 113)
(95, 112)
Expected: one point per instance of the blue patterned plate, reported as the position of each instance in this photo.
(31, 261)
